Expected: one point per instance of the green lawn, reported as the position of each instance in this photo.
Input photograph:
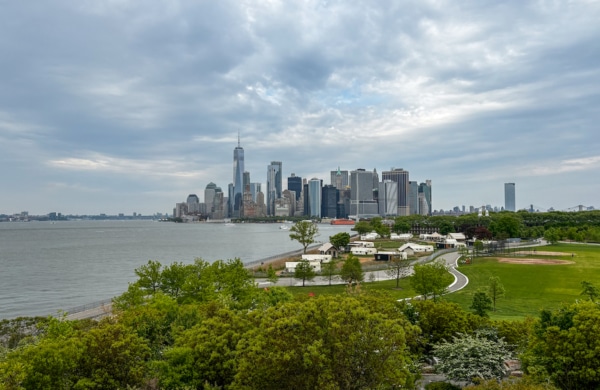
(530, 288)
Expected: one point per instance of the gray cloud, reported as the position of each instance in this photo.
(128, 106)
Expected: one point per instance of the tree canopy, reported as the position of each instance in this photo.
(304, 232)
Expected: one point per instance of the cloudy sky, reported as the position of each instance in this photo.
(122, 106)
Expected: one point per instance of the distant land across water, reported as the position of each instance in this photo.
(46, 267)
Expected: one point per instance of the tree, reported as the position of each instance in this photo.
(495, 290)
(430, 279)
(552, 235)
(304, 271)
(325, 342)
(272, 275)
(304, 232)
(564, 347)
(397, 267)
(481, 303)
(329, 270)
(340, 240)
(172, 278)
(401, 226)
(149, 276)
(590, 290)
(470, 356)
(362, 227)
(352, 271)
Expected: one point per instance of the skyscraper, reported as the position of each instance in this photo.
(362, 201)
(295, 184)
(400, 176)
(388, 198)
(413, 197)
(238, 179)
(274, 172)
(329, 201)
(509, 197)
(314, 197)
(339, 179)
(425, 207)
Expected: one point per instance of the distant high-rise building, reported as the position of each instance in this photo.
(388, 198)
(295, 184)
(339, 179)
(255, 188)
(509, 197)
(209, 196)
(237, 197)
(314, 197)
(193, 204)
(274, 188)
(399, 176)
(329, 201)
(362, 200)
(425, 207)
(413, 197)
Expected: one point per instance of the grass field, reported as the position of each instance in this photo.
(531, 288)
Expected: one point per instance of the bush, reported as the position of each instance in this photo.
(441, 386)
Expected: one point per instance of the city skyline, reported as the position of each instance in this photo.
(122, 107)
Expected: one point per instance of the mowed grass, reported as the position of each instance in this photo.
(531, 288)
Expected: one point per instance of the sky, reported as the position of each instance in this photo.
(122, 106)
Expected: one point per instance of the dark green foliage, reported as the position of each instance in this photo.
(304, 271)
(441, 386)
(340, 240)
(352, 271)
(481, 303)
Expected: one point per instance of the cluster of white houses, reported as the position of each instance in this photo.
(366, 247)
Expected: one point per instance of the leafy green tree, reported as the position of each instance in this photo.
(552, 235)
(590, 290)
(468, 357)
(362, 227)
(477, 248)
(506, 225)
(340, 240)
(272, 275)
(430, 279)
(304, 271)
(205, 353)
(172, 278)
(397, 267)
(352, 271)
(329, 270)
(401, 226)
(495, 290)
(481, 303)
(564, 347)
(325, 343)
(304, 232)
(383, 230)
(149, 276)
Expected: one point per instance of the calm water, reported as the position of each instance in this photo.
(47, 267)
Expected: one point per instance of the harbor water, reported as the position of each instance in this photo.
(46, 267)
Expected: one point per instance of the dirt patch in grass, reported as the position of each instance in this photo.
(535, 261)
(541, 253)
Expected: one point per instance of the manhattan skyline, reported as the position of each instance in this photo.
(121, 107)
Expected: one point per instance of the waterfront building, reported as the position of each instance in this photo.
(509, 197)
(295, 184)
(388, 198)
(362, 200)
(238, 179)
(274, 189)
(329, 201)
(400, 177)
(291, 200)
(339, 179)
(193, 204)
(209, 196)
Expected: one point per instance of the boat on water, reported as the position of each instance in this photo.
(284, 227)
(342, 221)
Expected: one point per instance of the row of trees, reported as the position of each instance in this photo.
(578, 226)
